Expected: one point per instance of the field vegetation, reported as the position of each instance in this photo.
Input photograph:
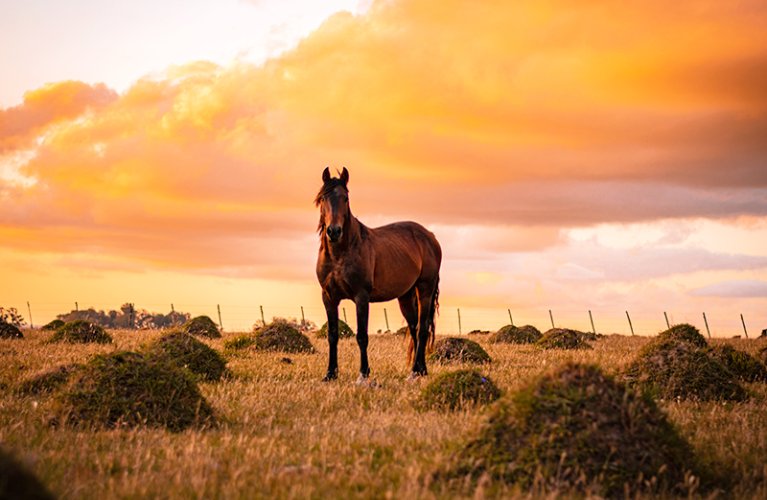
(281, 433)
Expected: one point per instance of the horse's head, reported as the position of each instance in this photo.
(333, 200)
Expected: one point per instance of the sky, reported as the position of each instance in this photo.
(570, 157)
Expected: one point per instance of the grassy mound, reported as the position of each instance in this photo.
(459, 350)
(511, 334)
(763, 354)
(202, 326)
(81, 332)
(9, 331)
(743, 365)
(402, 332)
(684, 333)
(459, 389)
(188, 352)
(53, 325)
(48, 381)
(563, 338)
(577, 431)
(17, 482)
(129, 389)
(344, 331)
(479, 332)
(276, 336)
(669, 369)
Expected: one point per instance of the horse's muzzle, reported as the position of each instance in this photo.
(334, 233)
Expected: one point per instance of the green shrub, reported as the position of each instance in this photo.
(81, 332)
(17, 482)
(577, 431)
(344, 331)
(743, 365)
(684, 333)
(188, 352)
(279, 335)
(48, 381)
(563, 338)
(459, 350)
(53, 325)
(201, 326)
(458, 389)
(511, 334)
(9, 331)
(129, 389)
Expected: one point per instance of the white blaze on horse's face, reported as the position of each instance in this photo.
(335, 209)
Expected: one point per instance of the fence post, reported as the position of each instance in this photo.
(386, 318)
(551, 317)
(172, 309)
(344, 310)
(630, 325)
(131, 318)
(77, 307)
(666, 316)
(32, 325)
(303, 318)
(706, 322)
(591, 318)
(459, 321)
(218, 306)
(741, 320)
(262, 315)
(511, 320)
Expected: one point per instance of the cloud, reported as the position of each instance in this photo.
(737, 288)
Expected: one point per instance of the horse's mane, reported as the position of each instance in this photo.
(325, 190)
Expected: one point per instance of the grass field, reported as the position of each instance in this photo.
(283, 434)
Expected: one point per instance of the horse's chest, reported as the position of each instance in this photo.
(344, 282)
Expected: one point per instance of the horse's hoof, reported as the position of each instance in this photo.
(329, 377)
(363, 381)
(414, 376)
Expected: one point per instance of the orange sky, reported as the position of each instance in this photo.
(596, 155)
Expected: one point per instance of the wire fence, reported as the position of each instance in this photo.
(453, 318)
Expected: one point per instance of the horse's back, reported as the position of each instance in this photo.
(413, 238)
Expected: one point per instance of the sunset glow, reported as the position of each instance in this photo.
(569, 156)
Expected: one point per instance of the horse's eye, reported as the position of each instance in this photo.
(345, 198)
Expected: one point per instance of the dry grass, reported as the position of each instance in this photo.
(283, 434)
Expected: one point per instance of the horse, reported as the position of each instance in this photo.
(397, 261)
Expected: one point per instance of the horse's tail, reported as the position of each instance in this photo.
(430, 323)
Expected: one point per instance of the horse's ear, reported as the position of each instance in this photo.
(326, 175)
(345, 176)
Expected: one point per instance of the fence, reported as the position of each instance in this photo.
(452, 318)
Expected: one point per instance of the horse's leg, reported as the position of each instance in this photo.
(408, 304)
(363, 310)
(425, 293)
(331, 308)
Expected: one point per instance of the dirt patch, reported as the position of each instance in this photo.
(53, 325)
(457, 390)
(511, 334)
(344, 331)
(9, 331)
(18, 482)
(127, 389)
(743, 365)
(276, 336)
(81, 332)
(48, 380)
(563, 338)
(677, 369)
(188, 352)
(579, 431)
(683, 333)
(202, 326)
(459, 350)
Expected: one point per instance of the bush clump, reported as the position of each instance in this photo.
(201, 326)
(743, 365)
(344, 331)
(762, 354)
(279, 335)
(458, 389)
(188, 352)
(684, 332)
(17, 482)
(48, 381)
(53, 325)
(563, 338)
(130, 389)
(511, 334)
(459, 350)
(670, 370)
(9, 331)
(577, 430)
(402, 332)
(81, 332)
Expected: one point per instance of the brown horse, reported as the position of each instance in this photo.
(398, 261)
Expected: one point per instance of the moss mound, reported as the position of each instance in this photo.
(53, 325)
(129, 389)
(511, 334)
(459, 350)
(670, 370)
(344, 331)
(276, 336)
(577, 430)
(458, 389)
(202, 326)
(48, 381)
(684, 333)
(743, 365)
(563, 338)
(403, 332)
(188, 352)
(9, 331)
(762, 354)
(81, 332)
(17, 482)
(239, 342)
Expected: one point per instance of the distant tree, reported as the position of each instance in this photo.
(12, 316)
(127, 317)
